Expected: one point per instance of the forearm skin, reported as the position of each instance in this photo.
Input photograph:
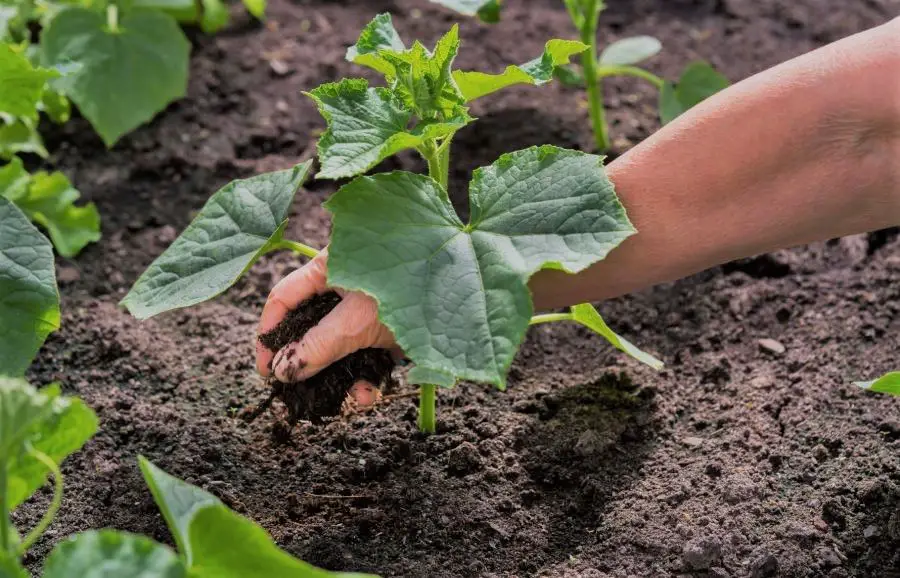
(805, 151)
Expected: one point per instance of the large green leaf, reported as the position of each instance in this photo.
(55, 425)
(178, 501)
(226, 545)
(112, 554)
(10, 567)
(29, 301)
(698, 82)
(486, 10)
(238, 224)
(538, 71)
(588, 316)
(628, 51)
(887, 383)
(48, 199)
(455, 294)
(127, 75)
(21, 85)
(365, 126)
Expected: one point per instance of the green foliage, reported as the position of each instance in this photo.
(698, 82)
(888, 383)
(29, 302)
(107, 553)
(23, 85)
(588, 316)
(486, 10)
(129, 70)
(239, 223)
(453, 294)
(628, 51)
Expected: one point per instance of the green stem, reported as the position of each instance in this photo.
(112, 18)
(4, 509)
(427, 405)
(617, 70)
(591, 80)
(300, 248)
(549, 318)
(48, 516)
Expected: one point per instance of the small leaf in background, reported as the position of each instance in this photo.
(569, 76)
(888, 383)
(126, 76)
(55, 105)
(214, 16)
(698, 82)
(256, 7)
(238, 224)
(226, 545)
(29, 302)
(486, 10)
(22, 84)
(588, 316)
(62, 428)
(455, 295)
(20, 135)
(48, 199)
(538, 71)
(177, 500)
(111, 554)
(628, 51)
(185, 11)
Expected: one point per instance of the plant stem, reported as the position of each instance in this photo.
(617, 70)
(48, 516)
(112, 18)
(591, 80)
(427, 405)
(4, 509)
(549, 318)
(300, 248)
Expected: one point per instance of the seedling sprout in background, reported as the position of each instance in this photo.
(888, 383)
(397, 237)
(697, 82)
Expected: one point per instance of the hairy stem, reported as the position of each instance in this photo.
(112, 18)
(549, 318)
(4, 509)
(591, 79)
(427, 408)
(616, 70)
(48, 516)
(300, 248)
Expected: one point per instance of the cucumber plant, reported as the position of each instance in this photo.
(698, 81)
(453, 293)
(888, 383)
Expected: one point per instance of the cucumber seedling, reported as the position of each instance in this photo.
(453, 293)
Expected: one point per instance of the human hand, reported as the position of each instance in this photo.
(352, 325)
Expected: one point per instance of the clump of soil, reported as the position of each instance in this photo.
(323, 395)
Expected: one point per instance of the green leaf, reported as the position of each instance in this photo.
(29, 302)
(214, 16)
(537, 72)
(698, 82)
(628, 51)
(887, 383)
(365, 126)
(569, 76)
(55, 105)
(590, 318)
(108, 554)
(256, 7)
(487, 10)
(226, 545)
(10, 567)
(378, 35)
(48, 199)
(20, 135)
(53, 424)
(240, 223)
(22, 84)
(178, 501)
(128, 75)
(186, 11)
(455, 295)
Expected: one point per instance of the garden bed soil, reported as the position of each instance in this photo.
(741, 458)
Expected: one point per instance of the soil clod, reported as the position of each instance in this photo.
(323, 395)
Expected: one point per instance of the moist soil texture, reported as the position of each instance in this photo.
(743, 457)
(323, 395)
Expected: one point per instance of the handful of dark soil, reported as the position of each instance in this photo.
(324, 394)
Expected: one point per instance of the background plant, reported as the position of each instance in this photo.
(888, 383)
(697, 82)
(454, 294)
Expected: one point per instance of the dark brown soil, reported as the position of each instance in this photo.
(324, 394)
(733, 461)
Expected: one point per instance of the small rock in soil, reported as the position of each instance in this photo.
(692, 441)
(701, 553)
(772, 346)
(871, 532)
(828, 558)
(763, 564)
(738, 488)
(464, 458)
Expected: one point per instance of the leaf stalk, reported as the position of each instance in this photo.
(50, 514)
(550, 318)
(427, 408)
(112, 18)
(296, 247)
(607, 70)
(588, 30)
